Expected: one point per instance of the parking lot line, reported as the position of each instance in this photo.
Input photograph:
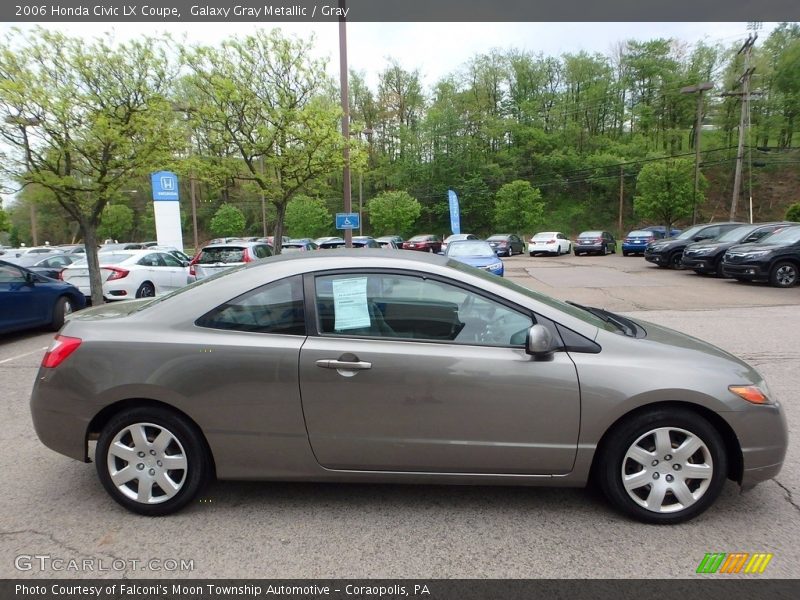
(5, 360)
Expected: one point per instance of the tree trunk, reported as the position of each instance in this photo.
(280, 210)
(89, 233)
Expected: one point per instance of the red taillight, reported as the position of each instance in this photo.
(59, 350)
(61, 275)
(116, 273)
(192, 262)
(246, 258)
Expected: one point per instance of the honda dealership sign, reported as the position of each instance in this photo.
(167, 209)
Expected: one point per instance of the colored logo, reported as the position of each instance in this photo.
(736, 562)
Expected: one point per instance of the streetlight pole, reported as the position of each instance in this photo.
(697, 89)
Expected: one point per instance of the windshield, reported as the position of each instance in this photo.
(784, 236)
(470, 249)
(734, 235)
(690, 233)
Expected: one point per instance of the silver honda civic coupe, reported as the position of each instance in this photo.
(386, 367)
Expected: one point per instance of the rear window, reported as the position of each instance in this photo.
(591, 234)
(221, 254)
(641, 234)
(421, 238)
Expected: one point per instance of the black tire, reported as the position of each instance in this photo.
(558, 251)
(624, 437)
(675, 261)
(531, 254)
(190, 442)
(719, 270)
(783, 274)
(576, 253)
(625, 253)
(61, 309)
(146, 290)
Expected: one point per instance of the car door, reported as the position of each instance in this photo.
(178, 274)
(414, 373)
(563, 243)
(22, 303)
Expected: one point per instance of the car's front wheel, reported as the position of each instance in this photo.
(663, 466)
(783, 274)
(152, 461)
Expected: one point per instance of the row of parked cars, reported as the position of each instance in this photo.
(746, 252)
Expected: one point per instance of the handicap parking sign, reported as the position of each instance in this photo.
(347, 220)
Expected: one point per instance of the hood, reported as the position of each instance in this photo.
(755, 247)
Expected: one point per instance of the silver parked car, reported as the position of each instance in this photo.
(364, 365)
(217, 257)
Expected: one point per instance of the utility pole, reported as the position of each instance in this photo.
(263, 200)
(348, 206)
(744, 82)
(698, 127)
(621, 197)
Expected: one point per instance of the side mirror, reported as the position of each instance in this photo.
(184, 263)
(540, 343)
(30, 278)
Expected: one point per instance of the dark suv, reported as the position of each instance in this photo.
(706, 257)
(669, 252)
(776, 259)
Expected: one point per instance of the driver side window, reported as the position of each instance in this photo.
(414, 308)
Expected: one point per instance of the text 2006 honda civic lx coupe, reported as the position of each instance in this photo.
(381, 366)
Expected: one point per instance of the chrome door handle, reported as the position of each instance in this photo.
(331, 363)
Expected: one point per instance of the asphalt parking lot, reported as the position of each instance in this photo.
(53, 506)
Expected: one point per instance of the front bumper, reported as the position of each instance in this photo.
(746, 270)
(764, 437)
(657, 258)
(702, 264)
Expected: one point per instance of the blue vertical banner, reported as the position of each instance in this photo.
(455, 216)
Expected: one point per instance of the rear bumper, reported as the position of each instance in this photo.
(634, 248)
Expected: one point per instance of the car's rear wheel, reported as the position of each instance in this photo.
(625, 253)
(151, 461)
(663, 466)
(146, 290)
(783, 274)
(62, 308)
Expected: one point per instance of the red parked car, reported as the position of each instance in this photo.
(424, 243)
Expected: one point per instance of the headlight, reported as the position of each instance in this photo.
(756, 253)
(706, 250)
(496, 266)
(658, 247)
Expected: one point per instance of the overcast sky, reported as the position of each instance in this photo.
(436, 49)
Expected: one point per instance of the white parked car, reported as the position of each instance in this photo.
(458, 237)
(131, 274)
(549, 242)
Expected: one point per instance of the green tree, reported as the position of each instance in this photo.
(665, 191)
(518, 208)
(275, 106)
(228, 221)
(393, 213)
(307, 217)
(5, 221)
(82, 119)
(792, 213)
(117, 222)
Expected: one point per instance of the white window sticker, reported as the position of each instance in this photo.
(350, 303)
